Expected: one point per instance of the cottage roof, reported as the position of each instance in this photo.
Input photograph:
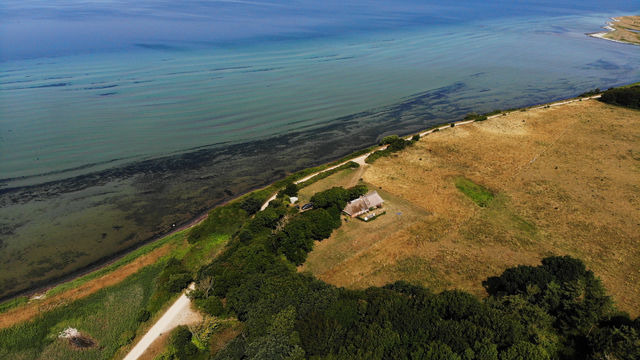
(363, 203)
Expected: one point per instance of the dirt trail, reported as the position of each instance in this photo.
(34, 308)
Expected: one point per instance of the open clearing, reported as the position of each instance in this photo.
(564, 180)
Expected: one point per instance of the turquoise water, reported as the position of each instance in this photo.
(102, 150)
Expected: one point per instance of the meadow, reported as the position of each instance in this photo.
(509, 190)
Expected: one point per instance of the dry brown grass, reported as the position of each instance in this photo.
(622, 29)
(566, 180)
(34, 308)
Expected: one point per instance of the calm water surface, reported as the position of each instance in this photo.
(119, 119)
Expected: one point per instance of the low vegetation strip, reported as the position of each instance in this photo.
(82, 289)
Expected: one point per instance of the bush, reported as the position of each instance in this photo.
(143, 316)
(251, 205)
(625, 96)
(290, 190)
(180, 340)
(415, 137)
(389, 139)
(174, 277)
(394, 144)
(178, 282)
(211, 305)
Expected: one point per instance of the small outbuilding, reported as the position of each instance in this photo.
(363, 204)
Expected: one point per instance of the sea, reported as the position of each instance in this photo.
(122, 119)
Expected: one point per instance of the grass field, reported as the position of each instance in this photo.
(102, 305)
(559, 180)
(107, 316)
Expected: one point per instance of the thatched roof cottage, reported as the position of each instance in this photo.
(362, 204)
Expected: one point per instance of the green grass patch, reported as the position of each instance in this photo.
(223, 220)
(109, 317)
(478, 194)
(203, 251)
(10, 304)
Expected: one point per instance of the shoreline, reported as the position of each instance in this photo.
(100, 264)
(610, 29)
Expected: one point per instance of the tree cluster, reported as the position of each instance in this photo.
(394, 144)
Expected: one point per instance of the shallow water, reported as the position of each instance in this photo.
(104, 144)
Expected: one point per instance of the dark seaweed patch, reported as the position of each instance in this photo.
(229, 68)
(99, 87)
(49, 85)
(263, 70)
(338, 58)
(164, 47)
(602, 64)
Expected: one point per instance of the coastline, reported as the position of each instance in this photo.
(100, 265)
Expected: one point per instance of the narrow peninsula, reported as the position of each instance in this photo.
(624, 29)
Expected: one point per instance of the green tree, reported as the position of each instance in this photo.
(281, 340)
(524, 351)
(180, 341)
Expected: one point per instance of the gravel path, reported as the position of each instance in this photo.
(179, 313)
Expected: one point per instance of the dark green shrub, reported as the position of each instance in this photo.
(178, 282)
(415, 137)
(290, 190)
(625, 96)
(211, 305)
(251, 205)
(389, 139)
(143, 316)
(180, 340)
